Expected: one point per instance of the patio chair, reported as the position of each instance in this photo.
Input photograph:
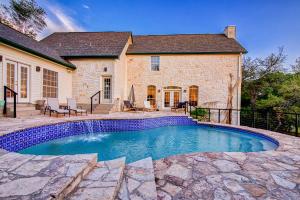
(179, 106)
(72, 106)
(53, 107)
(148, 107)
(129, 106)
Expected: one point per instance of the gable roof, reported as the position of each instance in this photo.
(88, 44)
(14, 38)
(184, 44)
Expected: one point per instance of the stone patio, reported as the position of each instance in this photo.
(225, 175)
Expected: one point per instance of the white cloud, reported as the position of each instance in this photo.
(85, 6)
(59, 21)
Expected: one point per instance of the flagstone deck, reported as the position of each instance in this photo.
(224, 175)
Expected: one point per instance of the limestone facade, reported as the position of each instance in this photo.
(210, 72)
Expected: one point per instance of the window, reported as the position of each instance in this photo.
(50, 83)
(151, 94)
(154, 63)
(193, 95)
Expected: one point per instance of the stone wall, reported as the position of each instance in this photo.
(211, 73)
(87, 78)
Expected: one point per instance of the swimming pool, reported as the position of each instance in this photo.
(134, 139)
(157, 143)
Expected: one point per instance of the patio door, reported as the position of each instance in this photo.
(17, 79)
(171, 98)
(107, 90)
(23, 83)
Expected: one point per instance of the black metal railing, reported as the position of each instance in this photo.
(92, 99)
(7, 90)
(283, 122)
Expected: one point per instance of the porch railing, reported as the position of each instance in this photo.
(6, 90)
(92, 99)
(283, 122)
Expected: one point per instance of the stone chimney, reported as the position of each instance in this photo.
(230, 31)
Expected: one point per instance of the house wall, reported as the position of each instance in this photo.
(36, 78)
(211, 73)
(121, 91)
(87, 78)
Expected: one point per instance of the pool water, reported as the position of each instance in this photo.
(157, 143)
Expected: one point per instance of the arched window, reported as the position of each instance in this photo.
(151, 94)
(193, 95)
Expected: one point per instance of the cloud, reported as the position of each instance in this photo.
(58, 20)
(85, 6)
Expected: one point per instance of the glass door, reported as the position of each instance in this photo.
(11, 79)
(106, 88)
(167, 99)
(23, 83)
(171, 98)
(176, 98)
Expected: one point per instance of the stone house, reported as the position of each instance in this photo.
(164, 69)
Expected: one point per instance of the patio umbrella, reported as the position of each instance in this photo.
(131, 96)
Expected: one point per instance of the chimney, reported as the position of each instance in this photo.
(230, 31)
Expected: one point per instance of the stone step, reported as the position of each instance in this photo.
(22, 108)
(101, 112)
(138, 181)
(25, 113)
(103, 107)
(102, 183)
(42, 177)
(21, 105)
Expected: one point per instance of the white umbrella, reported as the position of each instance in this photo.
(131, 96)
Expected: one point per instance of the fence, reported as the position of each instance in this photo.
(283, 122)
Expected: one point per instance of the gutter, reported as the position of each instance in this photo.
(21, 47)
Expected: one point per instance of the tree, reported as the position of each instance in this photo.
(25, 16)
(255, 71)
(296, 66)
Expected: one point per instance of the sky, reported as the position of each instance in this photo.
(262, 25)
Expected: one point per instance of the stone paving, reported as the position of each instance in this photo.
(41, 177)
(102, 183)
(138, 182)
(228, 175)
(233, 175)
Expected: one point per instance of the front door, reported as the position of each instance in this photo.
(171, 98)
(17, 79)
(106, 88)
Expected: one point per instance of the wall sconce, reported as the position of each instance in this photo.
(105, 69)
(158, 90)
(38, 68)
(1, 58)
(184, 91)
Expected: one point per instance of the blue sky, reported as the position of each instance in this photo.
(262, 25)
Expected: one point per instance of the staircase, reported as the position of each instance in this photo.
(114, 179)
(103, 108)
(23, 110)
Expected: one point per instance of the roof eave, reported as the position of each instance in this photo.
(21, 47)
(148, 53)
(91, 56)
